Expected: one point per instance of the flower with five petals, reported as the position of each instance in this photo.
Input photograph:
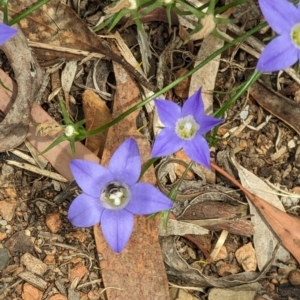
(284, 50)
(112, 195)
(184, 128)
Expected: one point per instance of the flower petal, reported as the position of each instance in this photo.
(146, 199)
(198, 150)
(125, 164)
(6, 32)
(207, 123)
(168, 112)
(117, 227)
(85, 211)
(166, 143)
(90, 177)
(279, 54)
(193, 105)
(280, 14)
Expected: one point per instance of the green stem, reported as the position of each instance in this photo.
(220, 10)
(211, 7)
(27, 12)
(173, 193)
(199, 14)
(147, 165)
(174, 83)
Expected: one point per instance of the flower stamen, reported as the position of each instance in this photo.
(116, 198)
(295, 35)
(116, 195)
(186, 127)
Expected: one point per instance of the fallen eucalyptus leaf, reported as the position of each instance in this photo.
(264, 239)
(175, 227)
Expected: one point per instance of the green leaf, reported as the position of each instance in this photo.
(4, 86)
(55, 143)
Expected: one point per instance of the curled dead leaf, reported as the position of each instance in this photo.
(28, 74)
(246, 257)
(116, 7)
(96, 114)
(208, 23)
(49, 128)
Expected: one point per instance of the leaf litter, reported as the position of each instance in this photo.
(30, 201)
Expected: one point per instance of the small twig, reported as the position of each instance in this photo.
(88, 283)
(37, 170)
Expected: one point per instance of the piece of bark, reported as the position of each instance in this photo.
(138, 271)
(281, 107)
(33, 280)
(28, 74)
(224, 215)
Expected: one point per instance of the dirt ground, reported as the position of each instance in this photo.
(42, 256)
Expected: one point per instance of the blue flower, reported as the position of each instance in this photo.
(284, 50)
(6, 32)
(184, 128)
(112, 195)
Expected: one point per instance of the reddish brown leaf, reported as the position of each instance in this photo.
(284, 226)
(138, 271)
(96, 114)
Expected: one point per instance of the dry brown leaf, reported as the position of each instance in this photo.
(245, 255)
(183, 271)
(286, 227)
(182, 88)
(56, 24)
(208, 25)
(61, 155)
(115, 7)
(28, 75)
(283, 108)
(96, 114)
(263, 238)
(175, 227)
(138, 271)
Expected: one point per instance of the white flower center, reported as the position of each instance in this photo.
(295, 35)
(116, 198)
(115, 195)
(133, 4)
(186, 127)
(69, 130)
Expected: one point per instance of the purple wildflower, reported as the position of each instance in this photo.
(6, 32)
(184, 128)
(284, 50)
(112, 195)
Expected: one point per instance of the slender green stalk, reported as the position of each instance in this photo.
(226, 7)
(211, 7)
(173, 193)
(27, 12)
(147, 165)
(174, 83)
(5, 13)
